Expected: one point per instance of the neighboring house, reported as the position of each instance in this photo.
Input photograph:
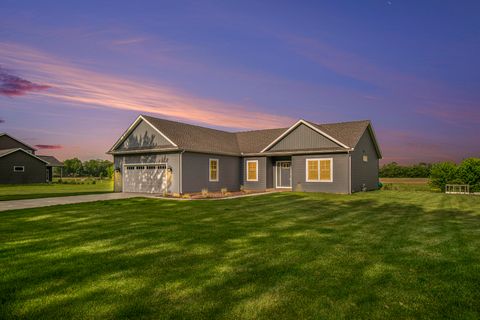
(156, 155)
(19, 164)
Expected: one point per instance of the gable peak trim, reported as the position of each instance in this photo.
(133, 126)
(309, 125)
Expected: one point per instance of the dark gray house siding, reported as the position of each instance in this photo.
(303, 138)
(35, 169)
(365, 172)
(261, 184)
(195, 174)
(8, 143)
(172, 160)
(340, 183)
(144, 136)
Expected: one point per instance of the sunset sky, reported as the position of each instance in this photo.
(74, 75)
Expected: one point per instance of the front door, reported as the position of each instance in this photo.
(284, 174)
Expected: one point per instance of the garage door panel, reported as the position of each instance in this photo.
(145, 178)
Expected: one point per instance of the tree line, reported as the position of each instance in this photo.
(440, 174)
(91, 168)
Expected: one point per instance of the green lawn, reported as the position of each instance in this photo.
(373, 255)
(45, 190)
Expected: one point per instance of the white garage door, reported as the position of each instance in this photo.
(143, 177)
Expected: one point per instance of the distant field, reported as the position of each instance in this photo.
(48, 190)
(405, 180)
(406, 184)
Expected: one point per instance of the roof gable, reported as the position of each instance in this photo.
(6, 152)
(9, 142)
(309, 125)
(142, 135)
(303, 138)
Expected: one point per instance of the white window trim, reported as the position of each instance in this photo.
(319, 174)
(210, 170)
(256, 171)
(23, 168)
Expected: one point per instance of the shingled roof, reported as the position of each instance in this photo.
(51, 161)
(201, 139)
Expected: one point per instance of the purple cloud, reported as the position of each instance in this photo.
(48, 146)
(2, 121)
(11, 85)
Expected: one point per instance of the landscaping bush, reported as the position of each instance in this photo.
(442, 174)
(468, 172)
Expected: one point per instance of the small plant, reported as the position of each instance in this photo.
(223, 191)
(242, 188)
(176, 195)
(205, 192)
(186, 196)
(164, 193)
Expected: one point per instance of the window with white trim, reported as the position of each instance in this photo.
(252, 170)
(365, 157)
(319, 170)
(18, 169)
(213, 170)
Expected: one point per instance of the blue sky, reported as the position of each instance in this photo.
(90, 67)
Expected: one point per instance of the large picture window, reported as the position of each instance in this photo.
(252, 170)
(319, 170)
(213, 171)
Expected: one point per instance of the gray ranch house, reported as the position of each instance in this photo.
(157, 155)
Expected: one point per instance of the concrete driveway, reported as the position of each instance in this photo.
(45, 202)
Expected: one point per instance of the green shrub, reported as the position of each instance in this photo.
(469, 171)
(443, 173)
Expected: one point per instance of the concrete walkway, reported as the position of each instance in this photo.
(45, 202)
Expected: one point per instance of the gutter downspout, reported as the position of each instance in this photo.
(349, 172)
(180, 180)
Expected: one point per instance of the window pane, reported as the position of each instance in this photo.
(252, 170)
(213, 169)
(325, 170)
(312, 169)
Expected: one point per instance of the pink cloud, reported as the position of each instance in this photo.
(91, 89)
(49, 146)
(11, 85)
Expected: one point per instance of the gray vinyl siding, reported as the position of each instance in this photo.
(261, 184)
(35, 170)
(195, 172)
(8, 143)
(365, 172)
(340, 183)
(171, 159)
(144, 136)
(303, 138)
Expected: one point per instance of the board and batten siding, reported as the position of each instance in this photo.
(35, 170)
(261, 184)
(144, 136)
(365, 172)
(340, 183)
(171, 159)
(303, 138)
(195, 173)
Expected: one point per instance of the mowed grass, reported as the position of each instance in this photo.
(373, 255)
(46, 190)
